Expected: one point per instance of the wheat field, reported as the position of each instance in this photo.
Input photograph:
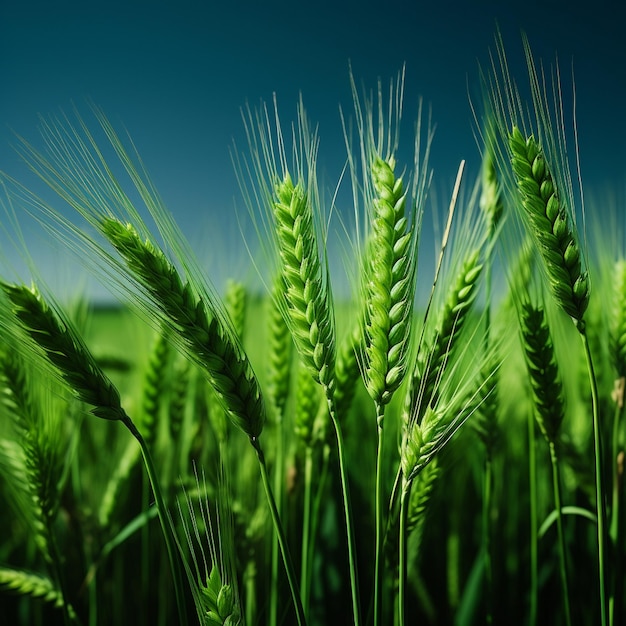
(283, 453)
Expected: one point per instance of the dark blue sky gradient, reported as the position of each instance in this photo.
(176, 74)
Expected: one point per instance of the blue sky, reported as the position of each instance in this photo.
(176, 75)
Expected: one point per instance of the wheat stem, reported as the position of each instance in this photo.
(487, 532)
(305, 565)
(402, 566)
(617, 600)
(556, 484)
(599, 480)
(166, 523)
(280, 533)
(347, 507)
(378, 503)
(532, 511)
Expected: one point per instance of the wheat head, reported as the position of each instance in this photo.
(64, 348)
(433, 357)
(550, 225)
(306, 294)
(390, 285)
(208, 340)
(543, 371)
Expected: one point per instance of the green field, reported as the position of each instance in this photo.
(279, 454)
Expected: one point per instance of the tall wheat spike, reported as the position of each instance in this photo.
(280, 351)
(306, 292)
(158, 362)
(388, 263)
(390, 284)
(292, 215)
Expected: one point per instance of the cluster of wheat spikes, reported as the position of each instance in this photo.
(314, 457)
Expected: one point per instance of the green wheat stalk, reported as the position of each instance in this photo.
(537, 153)
(292, 225)
(388, 265)
(492, 207)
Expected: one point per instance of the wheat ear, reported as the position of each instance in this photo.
(485, 421)
(390, 284)
(389, 281)
(550, 225)
(65, 349)
(543, 370)
(38, 463)
(307, 297)
(347, 372)
(280, 350)
(421, 441)
(42, 462)
(235, 301)
(433, 359)
(549, 411)
(158, 363)
(557, 242)
(33, 585)
(209, 342)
